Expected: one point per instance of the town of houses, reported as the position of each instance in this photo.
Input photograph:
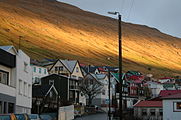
(32, 86)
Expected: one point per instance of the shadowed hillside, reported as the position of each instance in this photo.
(56, 30)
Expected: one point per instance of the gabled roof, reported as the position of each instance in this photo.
(164, 93)
(116, 76)
(148, 104)
(70, 64)
(7, 48)
(42, 90)
(175, 96)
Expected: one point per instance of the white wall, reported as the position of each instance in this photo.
(37, 74)
(8, 89)
(168, 113)
(24, 90)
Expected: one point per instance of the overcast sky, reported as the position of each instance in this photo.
(164, 15)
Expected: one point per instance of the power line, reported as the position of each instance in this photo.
(129, 13)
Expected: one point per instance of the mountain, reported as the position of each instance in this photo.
(51, 29)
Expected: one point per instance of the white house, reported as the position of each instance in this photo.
(102, 99)
(23, 78)
(37, 73)
(155, 88)
(172, 107)
(7, 82)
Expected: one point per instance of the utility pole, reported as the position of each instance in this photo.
(120, 67)
(120, 85)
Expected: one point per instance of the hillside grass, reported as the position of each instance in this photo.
(58, 30)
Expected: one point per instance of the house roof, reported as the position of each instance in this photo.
(116, 76)
(70, 64)
(174, 96)
(6, 48)
(148, 104)
(165, 78)
(164, 93)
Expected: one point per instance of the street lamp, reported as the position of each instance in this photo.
(120, 61)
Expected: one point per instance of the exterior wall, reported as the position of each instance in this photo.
(36, 74)
(138, 113)
(168, 110)
(82, 99)
(24, 83)
(155, 88)
(7, 91)
(77, 72)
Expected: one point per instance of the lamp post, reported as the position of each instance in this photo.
(120, 62)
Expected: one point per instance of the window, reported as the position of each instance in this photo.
(179, 105)
(56, 68)
(103, 92)
(10, 107)
(152, 112)
(4, 77)
(25, 67)
(34, 69)
(40, 70)
(77, 69)
(25, 89)
(45, 71)
(144, 112)
(51, 82)
(5, 107)
(160, 112)
(29, 90)
(1, 106)
(59, 68)
(20, 87)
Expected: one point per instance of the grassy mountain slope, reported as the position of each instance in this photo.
(56, 30)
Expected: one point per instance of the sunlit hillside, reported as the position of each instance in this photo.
(51, 29)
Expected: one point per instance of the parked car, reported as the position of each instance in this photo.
(34, 117)
(8, 117)
(22, 116)
(46, 117)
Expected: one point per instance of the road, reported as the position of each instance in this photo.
(100, 116)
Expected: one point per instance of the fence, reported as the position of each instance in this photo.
(66, 113)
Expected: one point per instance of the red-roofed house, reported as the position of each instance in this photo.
(148, 110)
(164, 93)
(172, 107)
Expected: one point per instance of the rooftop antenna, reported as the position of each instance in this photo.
(20, 38)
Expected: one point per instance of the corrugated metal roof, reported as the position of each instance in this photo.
(149, 104)
(164, 93)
